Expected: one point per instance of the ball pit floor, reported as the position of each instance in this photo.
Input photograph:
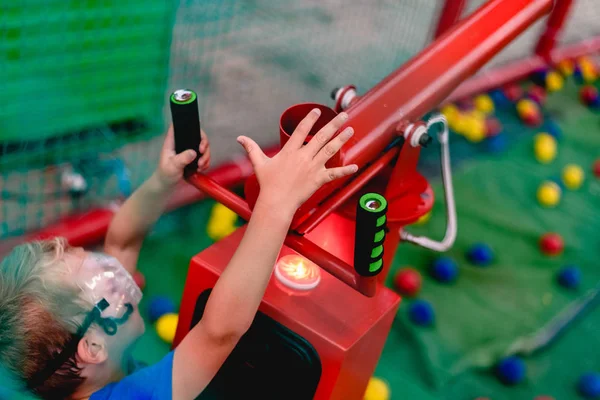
(486, 310)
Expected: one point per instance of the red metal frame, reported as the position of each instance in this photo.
(554, 25)
(451, 13)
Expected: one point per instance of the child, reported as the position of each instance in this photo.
(68, 318)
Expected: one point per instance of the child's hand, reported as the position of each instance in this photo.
(171, 165)
(289, 178)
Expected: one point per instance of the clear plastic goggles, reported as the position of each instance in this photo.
(104, 280)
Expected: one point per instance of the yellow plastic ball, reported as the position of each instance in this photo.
(554, 81)
(526, 106)
(458, 123)
(217, 230)
(222, 212)
(544, 148)
(377, 389)
(548, 194)
(573, 176)
(423, 219)
(484, 104)
(450, 111)
(589, 73)
(566, 67)
(474, 129)
(166, 327)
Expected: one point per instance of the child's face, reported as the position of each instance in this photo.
(81, 265)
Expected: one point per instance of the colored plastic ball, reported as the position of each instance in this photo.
(451, 112)
(548, 194)
(421, 313)
(544, 148)
(569, 277)
(573, 176)
(511, 370)
(159, 306)
(377, 389)
(480, 254)
(492, 127)
(408, 281)
(497, 144)
(578, 75)
(589, 96)
(596, 168)
(589, 385)
(444, 269)
(484, 103)
(474, 129)
(553, 129)
(537, 94)
(499, 98)
(139, 279)
(539, 76)
(465, 105)
(525, 106)
(166, 327)
(566, 67)
(554, 81)
(513, 92)
(589, 71)
(221, 223)
(551, 244)
(458, 123)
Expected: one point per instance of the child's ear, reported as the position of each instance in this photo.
(92, 349)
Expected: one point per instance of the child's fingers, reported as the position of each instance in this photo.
(301, 132)
(334, 145)
(169, 143)
(332, 174)
(204, 161)
(326, 133)
(181, 160)
(203, 142)
(255, 153)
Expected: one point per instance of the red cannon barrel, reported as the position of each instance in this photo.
(424, 82)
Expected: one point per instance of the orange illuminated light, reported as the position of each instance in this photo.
(297, 272)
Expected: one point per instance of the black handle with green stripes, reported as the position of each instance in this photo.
(371, 229)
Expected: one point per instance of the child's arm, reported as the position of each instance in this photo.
(286, 181)
(142, 209)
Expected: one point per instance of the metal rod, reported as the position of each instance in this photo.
(451, 12)
(333, 202)
(554, 26)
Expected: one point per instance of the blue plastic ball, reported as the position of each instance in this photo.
(539, 76)
(480, 254)
(553, 129)
(569, 277)
(159, 306)
(589, 385)
(511, 370)
(496, 144)
(444, 269)
(499, 98)
(578, 76)
(421, 313)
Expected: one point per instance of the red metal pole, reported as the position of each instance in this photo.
(451, 13)
(519, 69)
(426, 80)
(332, 203)
(554, 26)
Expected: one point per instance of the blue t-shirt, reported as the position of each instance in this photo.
(150, 383)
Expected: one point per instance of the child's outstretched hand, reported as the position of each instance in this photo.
(297, 171)
(171, 165)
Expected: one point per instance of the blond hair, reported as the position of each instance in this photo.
(39, 314)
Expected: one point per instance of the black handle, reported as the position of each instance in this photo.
(371, 229)
(186, 124)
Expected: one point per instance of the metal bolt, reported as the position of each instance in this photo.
(373, 204)
(182, 95)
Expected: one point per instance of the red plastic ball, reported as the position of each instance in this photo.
(537, 94)
(532, 118)
(596, 168)
(408, 281)
(588, 94)
(139, 279)
(492, 127)
(513, 92)
(552, 244)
